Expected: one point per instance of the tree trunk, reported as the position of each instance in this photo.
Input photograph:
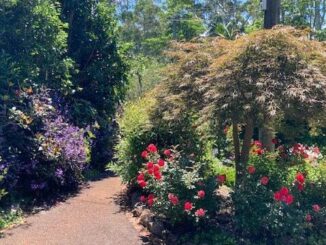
(266, 136)
(272, 13)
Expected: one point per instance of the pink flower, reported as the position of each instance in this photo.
(251, 169)
(143, 198)
(308, 217)
(167, 152)
(152, 148)
(221, 178)
(201, 194)
(173, 199)
(144, 154)
(264, 180)
(316, 208)
(161, 162)
(257, 143)
(316, 150)
(188, 206)
(200, 212)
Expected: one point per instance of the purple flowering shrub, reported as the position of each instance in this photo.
(44, 152)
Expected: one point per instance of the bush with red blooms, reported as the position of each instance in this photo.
(173, 188)
(281, 199)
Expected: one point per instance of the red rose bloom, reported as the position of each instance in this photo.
(157, 175)
(300, 187)
(308, 218)
(264, 180)
(300, 178)
(257, 143)
(251, 169)
(221, 178)
(156, 168)
(289, 199)
(142, 183)
(201, 194)
(150, 165)
(284, 191)
(316, 208)
(150, 200)
(141, 176)
(173, 199)
(277, 196)
(144, 154)
(161, 162)
(150, 171)
(143, 198)
(188, 206)
(167, 152)
(200, 212)
(275, 141)
(259, 152)
(152, 148)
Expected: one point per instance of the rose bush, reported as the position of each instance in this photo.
(173, 187)
(284, 197)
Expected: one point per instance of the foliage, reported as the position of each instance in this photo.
(33, 45)
(174, 187)
(44, 151)
(101, 78)
(142, 124)
(252, 81)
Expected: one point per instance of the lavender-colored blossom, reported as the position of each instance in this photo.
(59, 173)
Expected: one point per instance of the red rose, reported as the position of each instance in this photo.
(200, 212)
(221, 178)
(275, 141)
(141, 176)
(161, 162)
(264, 180)
(156, 168)
(173, 199)
(300, 178)
(150, 171)
(157, 175)
(142, 183)
(144, 154)
(300, 187)
(316, 208)
(289, 199)
(150, 200)
(251, 169)
(284, 191)
(167, 152)
(308, 218)
(257, 143)
(188, 206)
(143, 198)
(150, 165)
(152, 148)
(277, 196)
(201, 194)
(259, 152)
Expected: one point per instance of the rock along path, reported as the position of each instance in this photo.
(90, 218)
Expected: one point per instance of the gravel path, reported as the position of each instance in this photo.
(90, 218)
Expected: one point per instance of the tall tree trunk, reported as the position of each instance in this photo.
(272, 13)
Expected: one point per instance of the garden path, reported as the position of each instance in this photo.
(90, 218)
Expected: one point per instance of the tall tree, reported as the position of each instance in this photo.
(101, 79)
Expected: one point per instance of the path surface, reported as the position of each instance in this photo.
(90, 218)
